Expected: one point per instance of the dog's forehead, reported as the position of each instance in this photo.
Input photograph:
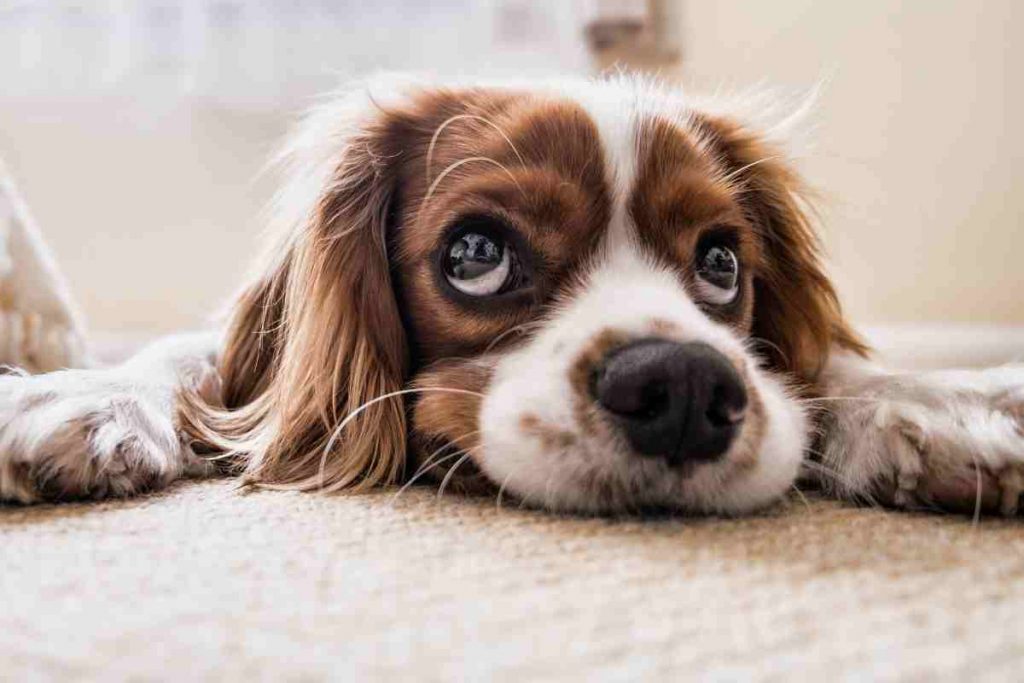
(661, 175)
(620, 145)
(624, 128)
(616, 117)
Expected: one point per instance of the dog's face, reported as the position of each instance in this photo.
(590, 297)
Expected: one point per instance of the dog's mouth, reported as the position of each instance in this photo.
(662, 427)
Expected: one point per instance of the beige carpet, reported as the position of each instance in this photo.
(205, 582)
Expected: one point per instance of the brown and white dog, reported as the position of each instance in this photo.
(590, 296)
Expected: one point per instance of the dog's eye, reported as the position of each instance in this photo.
(718, 275)
(479, 263)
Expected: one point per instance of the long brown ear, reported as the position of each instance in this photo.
(796, 309)
(317, 338)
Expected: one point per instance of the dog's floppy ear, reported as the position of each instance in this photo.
(316, 341)
(796, 309)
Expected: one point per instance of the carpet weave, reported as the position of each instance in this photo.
(205, 582)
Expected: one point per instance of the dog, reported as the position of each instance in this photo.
(589, 296)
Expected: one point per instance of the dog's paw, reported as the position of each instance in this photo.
(88, 434)
(951, 440)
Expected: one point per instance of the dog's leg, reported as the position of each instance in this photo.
(946, 440)
(103, 432)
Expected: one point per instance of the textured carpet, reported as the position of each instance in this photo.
(203, 581)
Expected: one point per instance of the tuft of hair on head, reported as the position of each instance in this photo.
(316, 338)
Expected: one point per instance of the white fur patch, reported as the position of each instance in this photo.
(99, 433)
(925, 438)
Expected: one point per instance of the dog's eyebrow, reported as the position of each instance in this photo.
(474, 117)
(455, 165)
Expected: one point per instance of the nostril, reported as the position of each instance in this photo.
(722, 418)
(629, 394)
(724, 411)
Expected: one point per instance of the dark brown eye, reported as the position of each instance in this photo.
(718, 275)
(478, 264)
(479, 261)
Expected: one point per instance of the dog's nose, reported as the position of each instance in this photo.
(675, 401)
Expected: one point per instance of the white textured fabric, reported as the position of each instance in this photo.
(40, 328)
(205, 582)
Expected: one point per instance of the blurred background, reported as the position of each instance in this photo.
(136, 128)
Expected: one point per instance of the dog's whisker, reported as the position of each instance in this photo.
(423, 470)
(336, 433)
(467, 454)
(473, 117)
(430, 463)
(826, 399)
(755, 341)
(501, 490)
(800, 494)
(455, 165)
(524, 327)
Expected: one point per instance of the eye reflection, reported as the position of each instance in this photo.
(481, 259)
(718, 275)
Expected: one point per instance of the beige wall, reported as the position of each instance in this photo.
(153, 214)
(920, 141)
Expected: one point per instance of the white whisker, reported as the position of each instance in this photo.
(825, 399)
(355, 413)
(453, 166)
(501, 491)
(426, 467)
(451, 473)
(772, 345)
(518, 328)
(474, 117)
(796, 489)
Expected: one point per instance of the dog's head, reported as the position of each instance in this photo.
(591, 296)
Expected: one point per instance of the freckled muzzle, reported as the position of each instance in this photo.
(682, 402)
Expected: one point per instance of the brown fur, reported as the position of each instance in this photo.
(312, 341)
(333, 325)
(445, 419)
(553, 438)
(319, 334)
(796, 309)
(680, 196)
(581, 373)
(549, 186)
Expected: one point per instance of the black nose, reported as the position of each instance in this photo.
(676, 401)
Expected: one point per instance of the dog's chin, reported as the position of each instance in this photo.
(593, 471)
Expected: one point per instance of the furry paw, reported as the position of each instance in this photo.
(951, 440)
(88, 434)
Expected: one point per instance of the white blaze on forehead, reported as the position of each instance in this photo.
(615, 117)
(615, 112)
